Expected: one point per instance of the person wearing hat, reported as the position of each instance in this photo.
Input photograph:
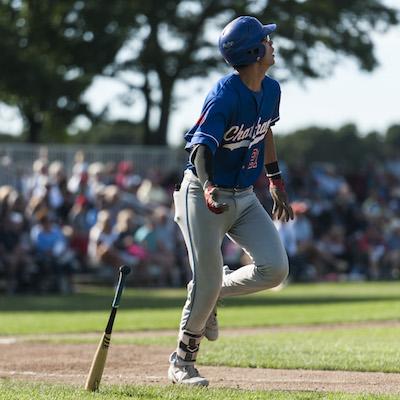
(229, 146)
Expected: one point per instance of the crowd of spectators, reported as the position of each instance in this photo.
(55, 225)
(346, 225)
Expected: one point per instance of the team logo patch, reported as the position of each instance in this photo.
(228, 45)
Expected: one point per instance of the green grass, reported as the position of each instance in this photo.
(372, 349)
(160, 309)
(22, 391)
(350, 348)
(346, 349)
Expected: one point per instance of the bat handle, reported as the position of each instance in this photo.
(123, 272)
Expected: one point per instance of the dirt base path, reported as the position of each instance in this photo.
(130, 364)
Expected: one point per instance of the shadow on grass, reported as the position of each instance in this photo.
(153, 299)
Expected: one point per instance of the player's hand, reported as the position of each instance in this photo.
(211, 197)
(281, 209)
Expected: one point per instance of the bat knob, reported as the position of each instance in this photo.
(124, 270)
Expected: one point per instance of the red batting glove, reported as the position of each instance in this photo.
(211, 195)
(281, 208)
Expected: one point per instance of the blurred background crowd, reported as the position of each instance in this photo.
(121, 81)
(59, 225)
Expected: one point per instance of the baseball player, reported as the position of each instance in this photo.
(229, 146)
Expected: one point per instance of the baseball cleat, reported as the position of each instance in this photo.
(184, 373)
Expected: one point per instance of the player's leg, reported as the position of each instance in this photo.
(255, 232)
(203, 232)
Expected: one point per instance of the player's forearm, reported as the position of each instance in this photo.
(204, 164)
(270, 157)
(269, 148)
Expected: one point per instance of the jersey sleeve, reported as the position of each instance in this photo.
(210, 127)
(275, 114)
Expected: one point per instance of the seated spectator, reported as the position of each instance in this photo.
(53, 255)
(111, 201)
(60, 198)
(125, 174)
(151, 193)
(102, 250)
(109, 173)
(298, 239)
(126, 226)
(333, 259)
(131, 251)
(371, 250)
(16, 263)
(77, 183)
(96, 179)
(154, 238)
(36, 183)
(79, 219)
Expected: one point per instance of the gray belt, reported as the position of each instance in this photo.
(235, 190)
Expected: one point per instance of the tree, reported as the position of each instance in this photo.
(50, 52)
(175, 43)
(392, 138)
(343, 146)
(106, 132)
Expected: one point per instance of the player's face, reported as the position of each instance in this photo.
(269, 57)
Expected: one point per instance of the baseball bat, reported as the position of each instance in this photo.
(99, 360)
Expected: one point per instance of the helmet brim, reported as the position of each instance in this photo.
(268, 29)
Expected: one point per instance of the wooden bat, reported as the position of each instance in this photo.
(99, 360)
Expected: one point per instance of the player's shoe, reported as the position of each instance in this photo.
(211, 331)
(184, 373)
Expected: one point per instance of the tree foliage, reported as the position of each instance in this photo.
(106, 132)
(52, 50)
(311, 37)
(344, 146)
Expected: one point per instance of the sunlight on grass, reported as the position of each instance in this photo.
(23, 391)
(160, 309)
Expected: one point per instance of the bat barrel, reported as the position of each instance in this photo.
(99, 360)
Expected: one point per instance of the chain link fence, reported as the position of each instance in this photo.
(16, 159)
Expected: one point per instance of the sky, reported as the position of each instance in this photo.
(370, 100)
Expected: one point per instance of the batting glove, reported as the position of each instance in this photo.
(211, 197)
(281, 209)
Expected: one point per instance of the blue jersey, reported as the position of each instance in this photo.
(233, 123)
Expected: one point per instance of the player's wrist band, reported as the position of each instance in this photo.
(272, 170)
(276, 175)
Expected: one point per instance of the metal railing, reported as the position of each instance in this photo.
(16, 159)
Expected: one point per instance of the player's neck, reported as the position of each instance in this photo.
(252, 76)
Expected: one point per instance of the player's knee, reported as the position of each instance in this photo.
(210, 283)
(281, 273)
(274, 274)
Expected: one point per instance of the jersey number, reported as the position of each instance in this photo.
(253, 159)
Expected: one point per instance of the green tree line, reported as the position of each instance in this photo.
(344, 146)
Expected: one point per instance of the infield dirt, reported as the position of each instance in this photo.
(131, 364)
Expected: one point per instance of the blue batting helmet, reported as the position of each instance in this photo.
(240, 42)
